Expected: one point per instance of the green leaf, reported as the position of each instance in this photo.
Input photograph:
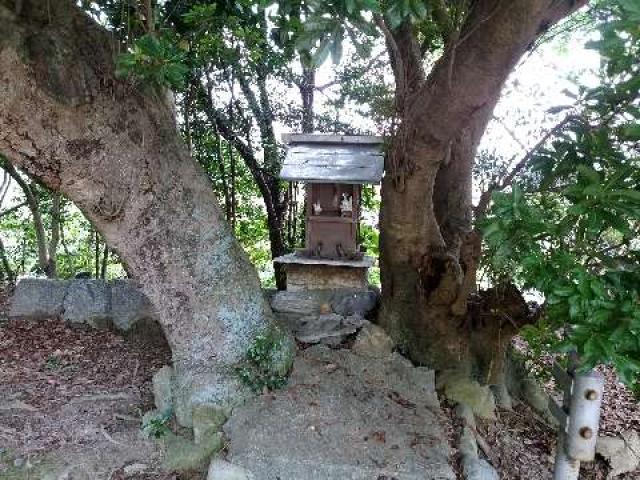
(631, 132)
(563, 291)
(630, 194)
(589, 173)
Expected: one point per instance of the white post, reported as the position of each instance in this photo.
(579, 417)
(584, 416)
(565, 468)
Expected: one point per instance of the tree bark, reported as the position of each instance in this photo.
(429, 250)
(7, 272)
(114, 150)
(307, 88)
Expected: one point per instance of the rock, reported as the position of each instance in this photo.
(459, 388)
(373, 341)
(38, 299)
(502, 397)
(129, 306)
(467, 444)
(211, 389)
(119, 303)
(163, 389)
(525, 388)
(622, 453)
(16, 405)
(465, 413)
(478, 469)
(329, 329)
(208, 420)
(223, 470)
(181, 455)
(291, 306)
(88, 301)
(343, 416)
(282, 351)
(326, 316)
(135, 469)
(537, 398)
(355, 303)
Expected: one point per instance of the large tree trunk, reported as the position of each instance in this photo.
(114, 150)
(429, 250)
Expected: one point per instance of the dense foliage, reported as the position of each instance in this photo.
(569, 227)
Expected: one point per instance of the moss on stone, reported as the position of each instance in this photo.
(460, 388)
(268, 360)
(182, 455)
(208, 420)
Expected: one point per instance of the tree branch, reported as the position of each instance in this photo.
(13, 209)
(224, 127)
(395, 57)
(485, 197)
(32, 202)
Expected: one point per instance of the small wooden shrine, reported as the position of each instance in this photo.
(333, 169)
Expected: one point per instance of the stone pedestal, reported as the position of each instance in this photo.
(323, 274)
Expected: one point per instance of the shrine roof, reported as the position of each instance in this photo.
(317, 158)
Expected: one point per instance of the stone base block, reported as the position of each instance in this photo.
(305, 273)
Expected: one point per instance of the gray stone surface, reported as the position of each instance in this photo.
(341, 417)
(291, 306)
(119, 303)
(163, 388)
(329, 328)
(326, 316)
(355, 303)
(88, 301)
(223, 470)
(182, 455)
(345, 302)
(525, 388)
(622, 452)
(478, 469)
(373, 341)
(38, 299)
(129, 306)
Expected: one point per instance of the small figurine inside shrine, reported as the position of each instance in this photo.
(333, 169)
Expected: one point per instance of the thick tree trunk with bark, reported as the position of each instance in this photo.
(429, 249)
(114, 150)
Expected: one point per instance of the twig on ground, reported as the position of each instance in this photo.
(110, 438)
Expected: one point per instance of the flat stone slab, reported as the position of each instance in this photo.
(344, 417)
(326, 316)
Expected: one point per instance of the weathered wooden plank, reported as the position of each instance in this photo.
(322, 162)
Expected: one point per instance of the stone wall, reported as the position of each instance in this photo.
(313, 316)
(115, 304)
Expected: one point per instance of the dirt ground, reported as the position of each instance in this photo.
(72, 398)
(522, 445)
